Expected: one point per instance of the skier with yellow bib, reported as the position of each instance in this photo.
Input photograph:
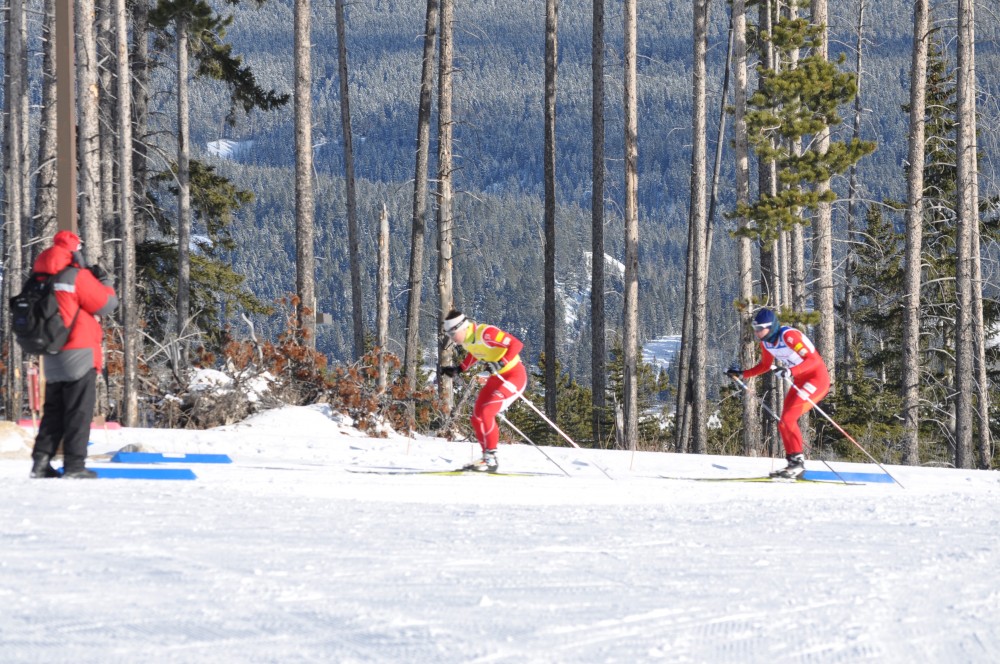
(501, 353)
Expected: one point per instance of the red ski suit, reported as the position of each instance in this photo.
(795, 351)
(489, 344)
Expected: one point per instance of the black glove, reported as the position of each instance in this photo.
(735, 371)
(102, 275)
(493, 367)
(782, 373)
(451, 370)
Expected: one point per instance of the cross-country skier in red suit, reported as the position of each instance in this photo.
(501, 353)
(802, 365)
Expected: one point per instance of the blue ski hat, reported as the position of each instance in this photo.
(766, 319)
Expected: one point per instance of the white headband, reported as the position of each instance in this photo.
(452, 324)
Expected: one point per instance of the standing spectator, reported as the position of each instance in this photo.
(83, 294)
(501, 353)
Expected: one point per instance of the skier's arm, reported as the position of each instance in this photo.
(766, 360)
(467, 361)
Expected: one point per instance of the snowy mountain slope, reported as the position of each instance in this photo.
(285, 556)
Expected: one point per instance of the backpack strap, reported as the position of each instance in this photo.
(51, 281)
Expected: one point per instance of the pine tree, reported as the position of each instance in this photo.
(215, 286)
(790, 105)
(199, 31)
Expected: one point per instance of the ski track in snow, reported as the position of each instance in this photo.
(283, 556)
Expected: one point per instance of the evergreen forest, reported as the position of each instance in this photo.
(240, 180)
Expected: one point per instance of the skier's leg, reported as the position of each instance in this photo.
(788, 425)
(805, 393)
(484, 414)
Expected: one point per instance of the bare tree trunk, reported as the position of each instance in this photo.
(914, 236)
(551, 60)
(15, 87)
(774, 289)
(797, 272)
(983, 438)
(720, 137)
(796, 254)
(106, 116)
(823, 299)
(140, 111)
(598, 352)
(697, 245)
(88, 127)
(445, 219)
(699, 324)
(847, 364)
(682, 429)
(305, 203)
(353, 233)
(968, 217)
(744, 250)
(413, 354)
(45, 183)
(630, 340)
(183, 190)
(127, 289)
(382, 308)
(25, 144)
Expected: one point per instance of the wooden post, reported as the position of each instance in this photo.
(65, 117)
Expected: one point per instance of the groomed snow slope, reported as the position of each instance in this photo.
(286, 556)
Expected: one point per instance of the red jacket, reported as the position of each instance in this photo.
(78, 290)
(795, 351)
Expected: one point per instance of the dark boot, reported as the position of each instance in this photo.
(42, 466)
(79, 474)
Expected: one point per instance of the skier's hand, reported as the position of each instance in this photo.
(492, 367)
(451, 370)
(734, 371)
(782, 373)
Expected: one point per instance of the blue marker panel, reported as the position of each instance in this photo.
(826, 475)
(159, 457)
(106, 473)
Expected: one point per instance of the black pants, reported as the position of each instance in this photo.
(66, 417)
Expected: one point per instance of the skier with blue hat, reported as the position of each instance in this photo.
(791, 355)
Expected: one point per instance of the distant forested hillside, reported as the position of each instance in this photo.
(498, 152)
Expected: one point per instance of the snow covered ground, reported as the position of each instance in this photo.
(287, 556)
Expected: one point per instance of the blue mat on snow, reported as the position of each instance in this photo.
(158, 457)
(105, 473)
(847, 477)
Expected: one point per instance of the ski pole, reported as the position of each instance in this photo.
(520, 395)
(805, 395)
(767, 409)
(531, 442)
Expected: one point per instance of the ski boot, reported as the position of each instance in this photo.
(796, 466)
(488, 464)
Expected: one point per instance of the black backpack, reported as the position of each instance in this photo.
(35, 319)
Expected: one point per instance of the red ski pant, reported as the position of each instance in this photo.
(497, 394)
(796, 405)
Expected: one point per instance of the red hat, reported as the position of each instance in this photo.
(67, 240)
